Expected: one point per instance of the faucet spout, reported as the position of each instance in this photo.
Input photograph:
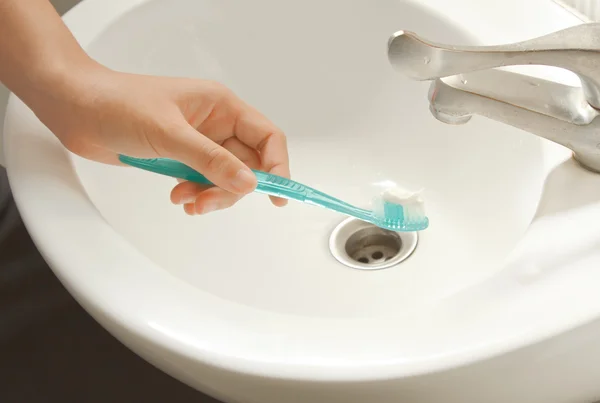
(556, 112)
(466, 83)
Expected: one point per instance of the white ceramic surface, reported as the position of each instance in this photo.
(248, 304)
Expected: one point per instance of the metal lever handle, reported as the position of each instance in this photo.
(576, 49)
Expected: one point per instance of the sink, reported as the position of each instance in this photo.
(250, 304)
(341, 105)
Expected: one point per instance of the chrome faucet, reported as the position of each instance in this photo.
(466, 83)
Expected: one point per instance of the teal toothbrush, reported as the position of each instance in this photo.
(392, 210)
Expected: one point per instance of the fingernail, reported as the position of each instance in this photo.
(187, 198)
(244, 180)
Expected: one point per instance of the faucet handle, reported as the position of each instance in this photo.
(576, 49)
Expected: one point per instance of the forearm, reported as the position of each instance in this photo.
(37, 51)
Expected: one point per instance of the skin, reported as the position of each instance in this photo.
(98, 113)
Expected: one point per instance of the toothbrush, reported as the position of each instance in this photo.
(393, 210)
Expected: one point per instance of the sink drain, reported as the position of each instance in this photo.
(360, 245)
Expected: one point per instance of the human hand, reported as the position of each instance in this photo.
(98, 114)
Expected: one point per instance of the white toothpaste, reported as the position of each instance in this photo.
(412, 202)
(398, 195)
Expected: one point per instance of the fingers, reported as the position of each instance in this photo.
(186, 192)
(273, 150)
(190, 209)
(215, 162)
(259, 133)
(197, 199)
(253, 141)
(247, 155)
(234, 118)
(215, 199)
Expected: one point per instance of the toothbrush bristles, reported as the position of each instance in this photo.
(400, 217)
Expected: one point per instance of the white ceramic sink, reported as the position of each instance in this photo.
(249, 304)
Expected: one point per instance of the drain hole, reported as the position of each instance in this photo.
(374, 242)
(363, 246)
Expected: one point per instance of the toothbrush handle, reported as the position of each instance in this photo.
(267, 183)
(270, 184)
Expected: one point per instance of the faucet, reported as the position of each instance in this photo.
(466, 81)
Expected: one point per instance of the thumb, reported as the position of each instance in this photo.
(219, 165)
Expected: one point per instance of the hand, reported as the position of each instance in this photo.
(98, 113)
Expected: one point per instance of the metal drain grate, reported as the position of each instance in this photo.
(361, 245)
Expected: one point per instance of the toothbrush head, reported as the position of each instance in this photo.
(399, 210)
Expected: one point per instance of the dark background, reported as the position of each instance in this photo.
(51, 350)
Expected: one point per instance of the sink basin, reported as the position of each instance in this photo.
(249, 304)
(341, 105)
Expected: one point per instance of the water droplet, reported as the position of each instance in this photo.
(534, 84)
(463, 79)
(426, 60)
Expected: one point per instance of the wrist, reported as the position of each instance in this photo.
(59, 80)
(61, 93)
